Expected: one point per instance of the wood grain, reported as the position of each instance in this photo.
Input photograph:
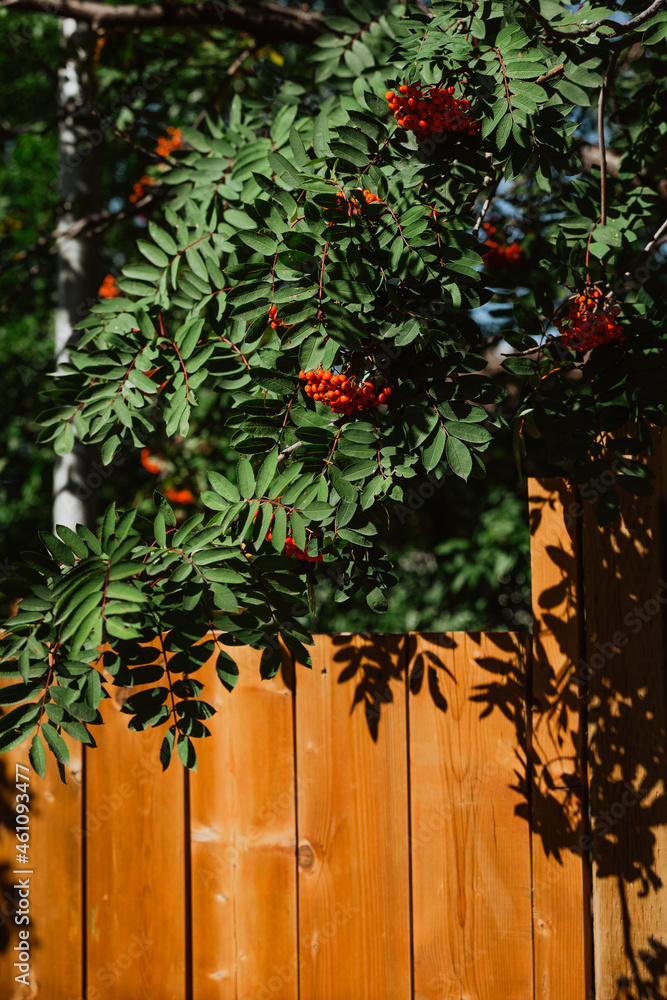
(353, 876)
(626, 595)
(56, 921)
(561, 918)
(470, 834)
(135, 864)
(243, 831)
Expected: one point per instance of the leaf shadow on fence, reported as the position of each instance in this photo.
(598, 691)
(573, 707)
(625, 677)
(378, 664)
(8, 828)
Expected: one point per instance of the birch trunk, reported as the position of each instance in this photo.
(79, 182)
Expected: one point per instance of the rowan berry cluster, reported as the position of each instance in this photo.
(591, 320)
(342, 393)
(182, 496)
(276, 324)
(109, 289)
(292, 549)
(498, 253)
(429, 110)
(166, 145)
(139, 188)
(151, 463)
(352, 205)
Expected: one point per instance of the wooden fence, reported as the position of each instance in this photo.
(420, 817)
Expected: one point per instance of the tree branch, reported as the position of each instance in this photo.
(656, 239)
(89, 225)
(589, 29)
(263, 19)
(288, 451)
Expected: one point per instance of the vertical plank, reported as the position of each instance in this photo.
(561, 917)
(353, 876)
(243, 832)
(626, 593)
(55, 885)
(135, 864)
(470, 836)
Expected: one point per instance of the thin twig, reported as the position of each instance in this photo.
(288, 451)
(489, 198)
(606, 80)
(554, 71)
(603, 154)
(229, 73)
(655, 239)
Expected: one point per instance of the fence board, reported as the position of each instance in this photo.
(625, 601)
(243, 830)
(56, 922)
(470, 845)
(353, 875)
(561, 920)
(135, 864)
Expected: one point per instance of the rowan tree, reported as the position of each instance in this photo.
(321, 257)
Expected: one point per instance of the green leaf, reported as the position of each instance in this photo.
(37, 756)
(267, 472)
(58, 549)
(153, 253)
(279, 529)
(162, 238)
(214, 501)
(186, 752)
(458, 457)
(160, 530)
(262, 244)
(125, 592)
(223, 487)
(109, 449)
(246, 478)
(503, 131)
(239, 220)
(56, 743)
(270, 663)
(344, 489)
(167, 747)
(377, 601)
(227, 670)
(432, 453)
(468, 432)
(520, 366)
(298, 149)
(64, 443)
(74, 541)
(321, 136)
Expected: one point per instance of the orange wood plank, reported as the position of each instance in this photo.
(561, 893)
(135, 864)
(626, 595)
(55, 929)
(354, 920)
(470, 836)
(243, 830)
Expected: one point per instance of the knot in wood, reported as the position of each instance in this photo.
(305, 856)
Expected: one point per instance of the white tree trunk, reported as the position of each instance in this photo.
(79, 178)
